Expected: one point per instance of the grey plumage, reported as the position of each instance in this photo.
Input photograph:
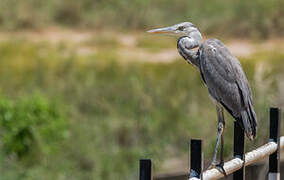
(223, 75)
(225, 79)
(227, 83)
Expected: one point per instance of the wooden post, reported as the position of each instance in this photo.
(146, 169)
(239, 144)
(274, 158)
(196, 159)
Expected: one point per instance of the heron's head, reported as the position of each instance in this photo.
(181, 29)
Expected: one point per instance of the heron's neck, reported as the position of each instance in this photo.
(196, 37)
(185, 46)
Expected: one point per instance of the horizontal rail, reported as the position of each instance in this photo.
(236, 163)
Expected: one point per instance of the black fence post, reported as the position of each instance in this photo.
(196, 159)
(274, 159)
(239, 144)
(146, 169)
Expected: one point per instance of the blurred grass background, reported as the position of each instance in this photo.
(258, 18)
(91, 109)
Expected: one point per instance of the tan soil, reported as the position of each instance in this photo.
(128, 51)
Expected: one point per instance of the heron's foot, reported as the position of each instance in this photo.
(220, 168)
(212, 165)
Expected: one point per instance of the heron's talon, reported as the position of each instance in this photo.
(220, 168)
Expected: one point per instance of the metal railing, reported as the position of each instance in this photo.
(237, 165)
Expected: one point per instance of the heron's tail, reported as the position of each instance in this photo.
(249, 121)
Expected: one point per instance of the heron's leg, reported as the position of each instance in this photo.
(222, 137)
(222, 151)
(221, 124)
(214, 162)
(221, 163)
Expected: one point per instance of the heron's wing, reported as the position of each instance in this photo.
(227, 82)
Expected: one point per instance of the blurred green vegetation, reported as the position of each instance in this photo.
(260, 18)
(30, 126)
(71, 115)
(94, 118)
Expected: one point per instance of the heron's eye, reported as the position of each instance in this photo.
(181, 28)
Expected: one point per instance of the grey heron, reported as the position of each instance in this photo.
(224, 77)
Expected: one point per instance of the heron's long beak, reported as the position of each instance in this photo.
(169, 29)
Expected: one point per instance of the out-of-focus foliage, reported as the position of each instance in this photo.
(259, 18)
(30, 127)
(116, 113)
(94, 117)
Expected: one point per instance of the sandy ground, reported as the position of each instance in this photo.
(128, 50)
